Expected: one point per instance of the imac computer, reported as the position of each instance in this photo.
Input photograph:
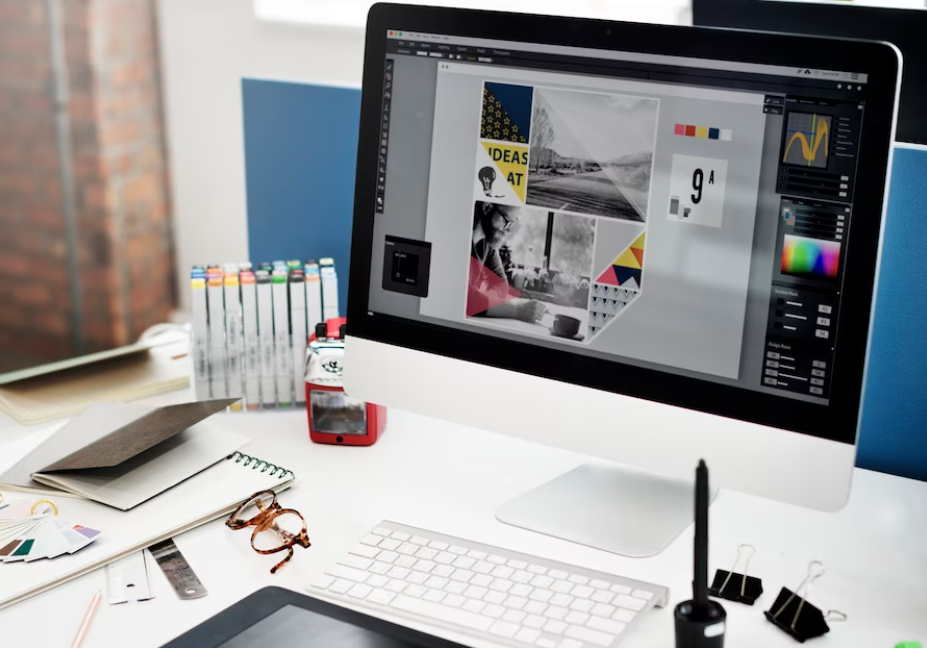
(904, 25)
(646, 244)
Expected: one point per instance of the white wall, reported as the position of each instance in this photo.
(207, 46)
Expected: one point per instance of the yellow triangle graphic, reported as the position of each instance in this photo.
(627, 260)
(639, 243)
(512, 162)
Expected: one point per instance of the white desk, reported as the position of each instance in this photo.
(451, 479)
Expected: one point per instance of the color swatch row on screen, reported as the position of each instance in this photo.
(810, 257)
(703, 132)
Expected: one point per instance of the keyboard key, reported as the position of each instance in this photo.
(359, 591)
(527, 635)
(576, 617)
(417, 578)
(398, 572)
(473, 605)
(481, 580)
(444, 571)
(496, 560)
(534, 621)
(406, 561)
(570, 643)
(581, 605)
(341, 586)
(501, 585)
(556, 612)
(514, 616)
(426, 553)
(495, 597)
(578, 579)
(389, 544)
(502, 572)
(457, 549)
(445, 558)
(493, 611)
(477, 555)
(357, 562)
(454, 600)
(540, 570)
(642, 594)
(371, 540)
(629, 602)
(438, 545)
(322, 581)
(399, 535)
(433, 595)
(380, 531)
(388, 557)
(582, 591)
(599, 584)
(381, 596)
(517, 564)
(504, 629)
(419, 540)
(483, 567)
(555, 627)
(356, 575)
(542, 595)
(455, 587)
(475, 592)
(603, 610)
(379, 568)
(515, 602)
(602, 596)
(625, 616)
(436, 582)
(424, 566)
(442, 613)
(561, 586)
(534, 607)
(377, 580)
(396, 585)
(542, 581)
(606, 625)
(415, 591)
(544, 642)
(563, 600)
(462, 575)
(365, 551)
(620, 589)
(589, 635)
(521, 589)
(407, 549)
(464, 563)
(522, 576)
(556, 573)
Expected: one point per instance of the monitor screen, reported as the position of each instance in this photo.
(684, 215)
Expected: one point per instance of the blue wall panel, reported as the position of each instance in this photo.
(300, 154)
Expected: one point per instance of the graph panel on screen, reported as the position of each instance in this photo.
(807, 139)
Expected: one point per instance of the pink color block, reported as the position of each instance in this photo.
(680, 129)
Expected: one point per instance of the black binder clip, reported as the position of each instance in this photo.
(732, 586)
(794, 615)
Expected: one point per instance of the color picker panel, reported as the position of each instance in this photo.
(810, 257)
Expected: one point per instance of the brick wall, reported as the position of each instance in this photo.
(120, 179)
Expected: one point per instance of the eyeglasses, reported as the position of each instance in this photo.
(507, 222)
(277, 529)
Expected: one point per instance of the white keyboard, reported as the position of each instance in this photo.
(487, 592)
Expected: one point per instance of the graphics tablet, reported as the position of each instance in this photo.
(275, 617)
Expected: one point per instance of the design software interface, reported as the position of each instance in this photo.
(677, 214)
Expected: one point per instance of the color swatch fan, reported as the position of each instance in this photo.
(32, 530)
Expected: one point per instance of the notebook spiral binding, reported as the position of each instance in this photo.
(259, 464)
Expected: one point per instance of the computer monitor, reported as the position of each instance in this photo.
(902, 25)
(647, 244)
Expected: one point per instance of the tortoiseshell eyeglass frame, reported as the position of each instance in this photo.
(265, 521)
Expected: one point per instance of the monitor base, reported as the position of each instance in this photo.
(606, 506)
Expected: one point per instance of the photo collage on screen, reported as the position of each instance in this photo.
(556, 168)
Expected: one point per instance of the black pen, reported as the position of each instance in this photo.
(700, 584)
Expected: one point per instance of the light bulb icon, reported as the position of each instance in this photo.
(487, 176)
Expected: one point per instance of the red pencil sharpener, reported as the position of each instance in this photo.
(335, 417)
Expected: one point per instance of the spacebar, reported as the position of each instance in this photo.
(441, 613)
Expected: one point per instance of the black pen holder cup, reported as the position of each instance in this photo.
(700, 627)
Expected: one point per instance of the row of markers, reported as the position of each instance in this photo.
(250, 328)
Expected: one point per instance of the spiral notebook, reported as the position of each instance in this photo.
(208, 495)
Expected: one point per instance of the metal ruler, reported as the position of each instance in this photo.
(127, 579)
(177, 570)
